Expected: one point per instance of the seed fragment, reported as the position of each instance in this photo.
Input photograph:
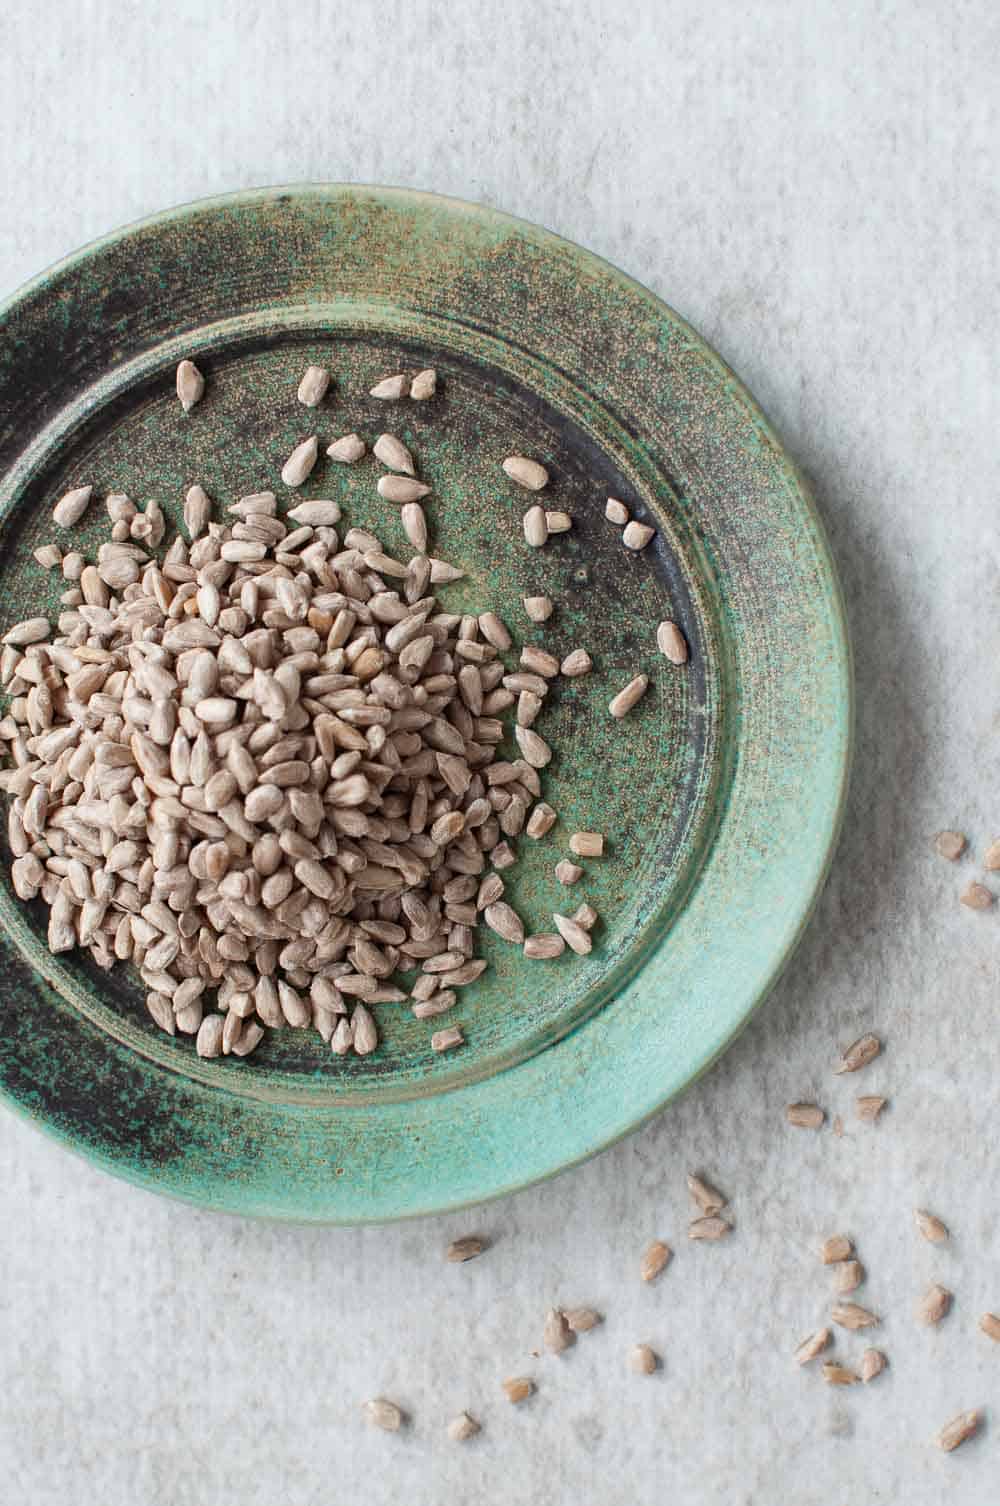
(587, 844)
(541, 821)
(655, 1259)
(616, 512)
(642, 1359)
(813, 1345)
(346, 450)
(527, 473)
(390, 388)
(977, 897)
(934, 1304)
(636, 535)
(536, 529)
(851, 1315)
(626, 699)
(710, 1227)
(49, 556)
(847, 1276)
(518, 1388)
(708, 1198)
(671, 642)
(466, 1248)
(957, 1431)
(582, 1319)
(424, 385)
(576, 663)
(838, 1375)
(567, 872)
(463, 1427)
(859, 1054)
(445, 1040)
(394, 454)
(71, 506)
(538, 608)
(837, 1247)
(991, 857)
(298, 467)
(393, 488)
(575, 937)
(873, 1362)
(869, 1107)
(190, 385)
(556, 1333)
(950, 845)
(930, 1226)
(383, 1414)
(990, 1325)
(585, 915)
(805, 1115)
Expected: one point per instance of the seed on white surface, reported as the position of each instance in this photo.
(298, 467)
(708, 1198)
(812, 1346)
(636, 535)
(859, 1054)
(463, 1427)
(615, 511)
(556, 1332)
(527, 473)
(671, 642)
(464, 1249)
(581, 1319)
(836, 1374)
(976, 896)
(642, 1359)
(934, 1304)
(958, 1430)
(655, 1259)
(390, 388)
(190, 385)
(518, 1388)
(424, 385)
(990, 1325)
(930, 1226)
(313, 386)
(346, 450)
(852, 1316)
(71, 506)
(950, 845)
(805, 1115)
(626, 699)
(383, 1414)
(847, 1276)
(538, 608)
(873, 1362)
(838, 1247)
(710, 1227)
(869, 1107)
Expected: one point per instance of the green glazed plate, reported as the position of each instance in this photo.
(720, 795)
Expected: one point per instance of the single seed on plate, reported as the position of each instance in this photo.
(190, 385)
(582, 1319)
(873, 1362)
(671, 642)
(654, 1260)
(934, 1304)
(587, 844)
(847, 1276)
(383, 1414)
(957, 1431)
(48, 556)
(391, 387)
(556, 1332)
(859, 1054)
(991, 857)
(347, 449)
(708, 1198)
(585, 915)
(851, 1315)
(636, 535)
(869, 1107)
(71, 507)
(393, 488)
(538, 608)
(930, 1226)
(445, 1040)
(990, 1325)
(626, 699)
(414, 521)
(313, 386)
(298, 467)
(544, 945)
(536, 530)
(805, 1115)
(837, 1247)
(424, 385)
(463, 1427)
(465, 1249)
(813, 1345)
(977, 897)
(642, 1359)
(576, 663)
(950, 845)
(558, 522)
(710, 1227)
(394, 454)
(575, 937)
(527, 473)
(615, 511)
(567, 872)
(518, 1388)
(838, 1375)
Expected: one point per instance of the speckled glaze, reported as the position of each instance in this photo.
(720, 796)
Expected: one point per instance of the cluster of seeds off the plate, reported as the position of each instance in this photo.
(262, 765)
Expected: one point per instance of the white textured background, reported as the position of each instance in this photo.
(816, 187)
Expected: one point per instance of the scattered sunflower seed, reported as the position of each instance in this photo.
(544, 945)
(991, 857)
(626, 699)
(298, 467)
(190, 385)
(587, 844)
(49, 556)
(576, 663)
(838, 1375)
(615, 511)
(536, 529)
(527, 473)
(71, 507)
(859, 1054)
(707, 1197)
(313, 386)
(847, 1276)
(463, 1427)
(518, 1388)
(347, 450)
(655, 1259)
(813, 1345)
(805, 1115)
(585, 915)
(538, 608)
(837, 1247)
(642, 1359)
(556, 1333)
(465, 1249)
(394, 454)
(575, 937)
(567, 872)
(393, 488)
(934, 1304)
(957, 1431)
(873, 1362)
(672, 643)
(446, 1040)
(851, 1315)
(869, 1107)
(990, 1325)
(390, 388)
(383, 1414)
(558, 522)
(977, 897)
(636, 535)
(950, 845)
(424, 385)
(710, 1227)
(930, 1226)
(582, 1319)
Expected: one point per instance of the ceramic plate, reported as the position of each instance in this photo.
(720, 795)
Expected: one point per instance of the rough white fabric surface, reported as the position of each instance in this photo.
(816, 188)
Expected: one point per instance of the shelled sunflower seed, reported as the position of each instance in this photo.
(190, 385)
(313, 386)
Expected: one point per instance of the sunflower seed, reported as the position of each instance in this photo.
(391, 388)
(424, 385)
(626, 699)
(838, 1375)
(414, 522)
(558, 522)
(347, 450)
(812, 1346)
(957, 1431)
(837, 1247)
(575, 937)
(49, 556)
(393, 488)
(505, 922)
(851, 1315)
(527, 473)
(190, 385)
(805, 1115)
(587, 844)
(654, 1260)
(383, 1414)
(209, 1038)
(446, 1040)
(567, 872)
(577, 663)
(32, 630)
(536, 529)
(534, 748)
(950, 845)
(468, 1248)
(518, 1388)
(977, 897)
(642, 1359)
(636, 535)
(847, 1276)
(313, 386)
(320, 513)
(71, 506)
(541, 820)
(934, 1304)
(615, 511)
(859, 1054)
(544, 945)
(869, 1107)
(538, 608)
(710, 1227)
(581, 1319)
(585, 915)
(463, 1427)
(393, 454)
(930, 1227)
(671, 642)
(298, 467)
(556, 1333)
(873, 1362)
(990, 1325)
(705, 1195)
